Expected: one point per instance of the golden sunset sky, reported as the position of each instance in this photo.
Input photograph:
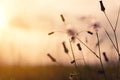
(24, 25)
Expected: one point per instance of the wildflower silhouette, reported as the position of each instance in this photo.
(73, 35)
(114, 28)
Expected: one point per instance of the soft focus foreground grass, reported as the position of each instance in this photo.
(53, 73)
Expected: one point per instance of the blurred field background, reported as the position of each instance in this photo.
(53, 72)
(24, 40)
(24, 28)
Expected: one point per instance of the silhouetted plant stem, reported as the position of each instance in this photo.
(114, 31)
(109, 21)
(84, 59)
(100, 56)
(116, 41)
(88, 47)
(110, 39)
(117, 18)
(73, 55)
(117, 44)
(80, 49)
(75, 63)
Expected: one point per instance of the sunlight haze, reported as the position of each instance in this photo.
(25, 24)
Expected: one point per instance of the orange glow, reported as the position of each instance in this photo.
(3, 18)
(24, 25)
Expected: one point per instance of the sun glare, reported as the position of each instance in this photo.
(3, 18)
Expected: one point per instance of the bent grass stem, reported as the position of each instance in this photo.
(88, 47)
(100, 56)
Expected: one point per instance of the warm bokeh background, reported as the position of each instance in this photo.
(24, 25)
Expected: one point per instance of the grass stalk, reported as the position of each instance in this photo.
(84, 59)
(110, 39)
(116, 24)
(73, 55)
(114, 31)
(75, 63)
(116, 41)
(100, 56)
(109, 21)
(79, 48)
(88, 47)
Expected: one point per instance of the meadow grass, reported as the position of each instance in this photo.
(72, 35)
(73, 71)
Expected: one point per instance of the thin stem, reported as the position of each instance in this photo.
(88, 47)
(115, 35)
(110, 39)
(117, 18)
(73, 56)
(116, 42)
(113, 32)
(59, 32)
(81, 31)
(100, 55)
(109, 21)
(84, 59)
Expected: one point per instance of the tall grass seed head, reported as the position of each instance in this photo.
(65, 48)
(102, 6)
(62, 17)
(51, 57)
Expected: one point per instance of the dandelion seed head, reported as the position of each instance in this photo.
(91, 22)
(95, 25)
(71, 32)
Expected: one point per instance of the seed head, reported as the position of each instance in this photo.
(73, 61)
(89, 32)
(50, 33)
(79, 47)
(73, 38)
(102, 6)
(105, 57)
(65, 48)
(71, 32)
(51, 57)
(62, 17)
(95, 25)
